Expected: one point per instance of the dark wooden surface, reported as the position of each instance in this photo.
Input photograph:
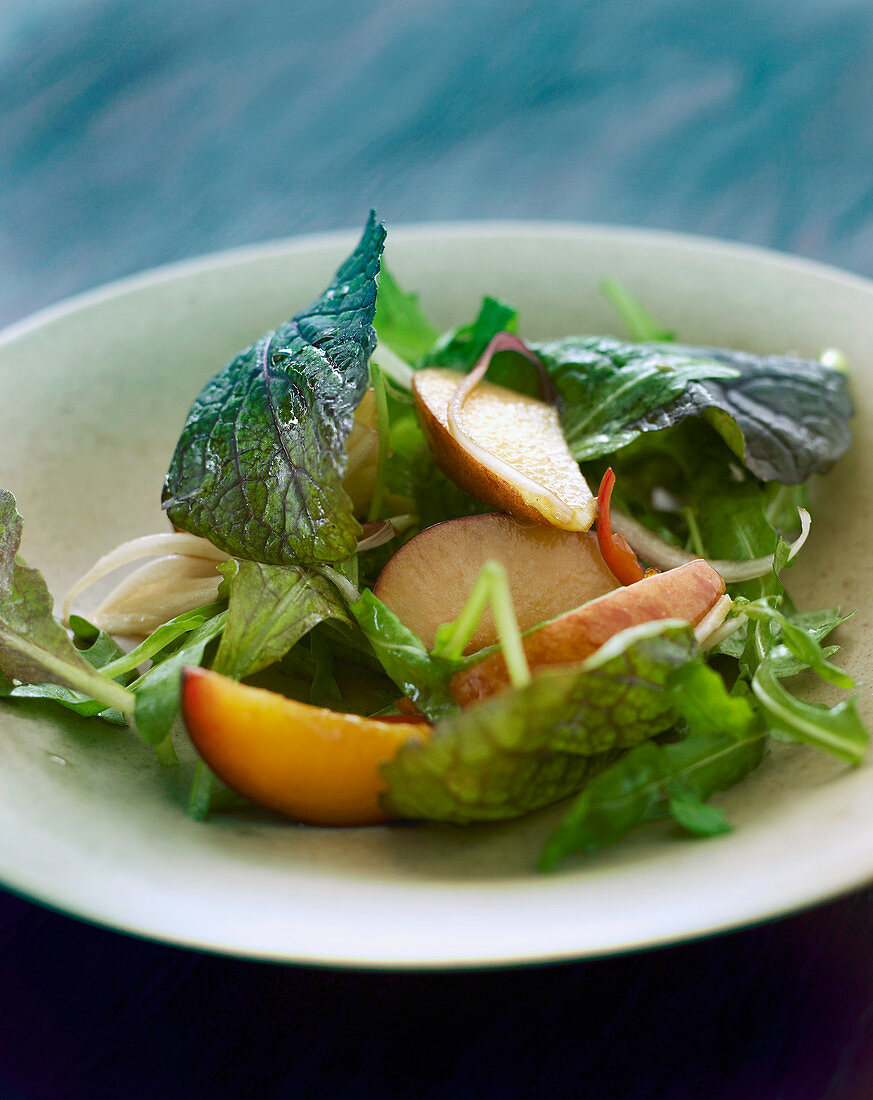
(135, 134)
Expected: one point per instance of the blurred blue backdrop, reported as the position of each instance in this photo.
(134, 133)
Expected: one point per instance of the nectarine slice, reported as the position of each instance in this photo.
(428, 580)
(685, 593)
(304, 762)
(504, 448)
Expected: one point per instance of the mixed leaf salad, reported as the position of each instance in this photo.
(341, 496)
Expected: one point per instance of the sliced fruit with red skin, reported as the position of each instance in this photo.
(502, 447)
(428, 580)
(307, 763)
(685, 593)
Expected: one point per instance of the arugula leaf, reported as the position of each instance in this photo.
(270, 608)
(99, 649)
(726, 741)
(837, 730)
(777, 647)
(34, 647)
(816, 625)
(638, 789)
(258, 468)
(404, 657)
(532, 746)
(696, 816)
(400, 322)
(158, 691)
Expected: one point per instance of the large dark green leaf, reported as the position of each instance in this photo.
(259, 465)
(785, 418)
(605, 387)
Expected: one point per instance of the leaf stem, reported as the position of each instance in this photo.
(463, 628)
(491, 587)
(201, 792)
(640, 324)
(85, 679)
(166, 753)
(377, 379)
(347, 589)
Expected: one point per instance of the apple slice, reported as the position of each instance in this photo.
(502, 447)
(428, 580)
(686, 593)
(304, 762)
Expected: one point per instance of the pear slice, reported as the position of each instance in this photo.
(428, 580)
(688, 592)
(503, 447)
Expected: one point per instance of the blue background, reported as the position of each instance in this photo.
(136, 133)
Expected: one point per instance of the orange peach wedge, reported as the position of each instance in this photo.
(502, 447)
(686, 593)
(305, 762)
(428, 580)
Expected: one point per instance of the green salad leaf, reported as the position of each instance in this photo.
(400, 322)
(270, 608)
(420, 676)
(461, 347)
(532, 746)
(158, 691)
(606, 386)
(785, 418)
(258, 468)
(99, 650)
(725, 741)
(34, 647)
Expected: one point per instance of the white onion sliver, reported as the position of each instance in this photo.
(655, 550)
(712, 620)
(147, 546)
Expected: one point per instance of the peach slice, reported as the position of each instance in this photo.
(304, 762)
(503, 448)
(428, 580)
(685, 593)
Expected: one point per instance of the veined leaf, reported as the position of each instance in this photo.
(785, 418)
(259, 465)
(34, 647)
(270, 608)
(532, 746)
(726, 741)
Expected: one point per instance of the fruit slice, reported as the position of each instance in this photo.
(311, 764)
(685, 593)
(502, 447)
(428, 580)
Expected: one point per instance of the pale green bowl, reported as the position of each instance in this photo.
(93, 394)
